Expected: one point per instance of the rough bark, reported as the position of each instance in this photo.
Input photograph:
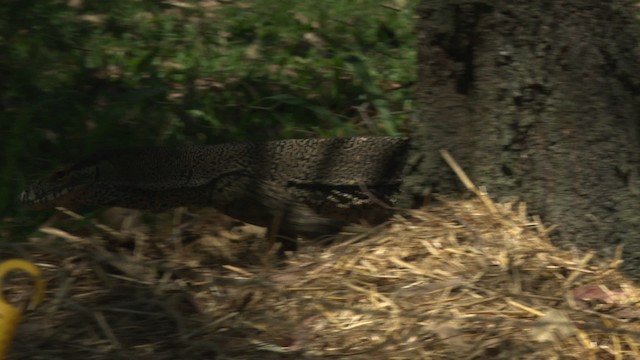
(537, 100)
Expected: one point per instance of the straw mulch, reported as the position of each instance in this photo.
(458, 280)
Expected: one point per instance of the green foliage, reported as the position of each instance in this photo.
(81, 75)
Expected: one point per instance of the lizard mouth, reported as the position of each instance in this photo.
(38, 200)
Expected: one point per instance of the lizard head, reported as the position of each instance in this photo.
(62, 187)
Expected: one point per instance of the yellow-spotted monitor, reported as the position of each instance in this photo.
(308, 187)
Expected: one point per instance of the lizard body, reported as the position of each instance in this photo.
(316, 185)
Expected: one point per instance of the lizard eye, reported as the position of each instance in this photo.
(59, 174)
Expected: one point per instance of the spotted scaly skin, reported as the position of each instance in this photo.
(316, 185)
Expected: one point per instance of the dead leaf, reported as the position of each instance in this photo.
(555, 325)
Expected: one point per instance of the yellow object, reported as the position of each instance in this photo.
(9, 314)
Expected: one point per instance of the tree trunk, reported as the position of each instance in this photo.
(538, 100)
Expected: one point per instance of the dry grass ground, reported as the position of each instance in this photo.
(458, 280)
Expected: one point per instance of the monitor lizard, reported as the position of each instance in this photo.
(312, 186)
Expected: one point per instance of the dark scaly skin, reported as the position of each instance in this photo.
(316, 185)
